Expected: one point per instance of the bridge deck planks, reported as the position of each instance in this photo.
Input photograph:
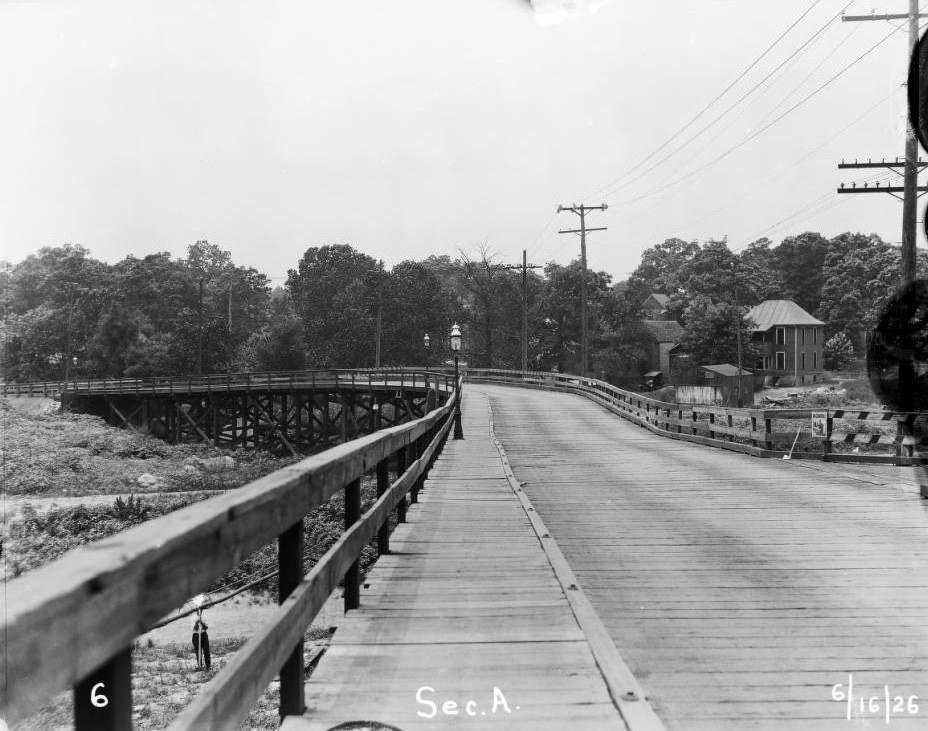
(739, 590)
(467, 601)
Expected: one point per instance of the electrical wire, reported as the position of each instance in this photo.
(804, 46)
(709, 105)
(754, 135)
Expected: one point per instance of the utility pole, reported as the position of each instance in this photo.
(912, 164)
(581, 211)
(230, 307)
(910, 190)
(524, 267)
(379, 316)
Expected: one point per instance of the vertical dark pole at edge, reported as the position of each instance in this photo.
(353, 574)
(110, 684)
(290, 558)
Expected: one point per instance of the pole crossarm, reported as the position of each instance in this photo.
(890, 164)
(884, 189)
(884, 16)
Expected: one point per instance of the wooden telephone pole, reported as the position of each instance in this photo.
(581, 211)
(910, 188)
(524, 267)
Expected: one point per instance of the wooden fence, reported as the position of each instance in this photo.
(375, 378)
(759, 432)
(72, 623)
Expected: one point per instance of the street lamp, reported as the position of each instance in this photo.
(456, 347)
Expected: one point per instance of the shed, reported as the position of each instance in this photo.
(716, 384)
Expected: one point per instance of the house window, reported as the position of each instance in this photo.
(803, 336)
(759, 364)
(781, 360)
(802, 359)
(766, 362)
(814, 336)
(781, 336)
(814, 359)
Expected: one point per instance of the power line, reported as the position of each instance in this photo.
(718, 158)
(710, 104)
(815, 36)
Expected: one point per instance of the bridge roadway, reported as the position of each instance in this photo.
(738, 590)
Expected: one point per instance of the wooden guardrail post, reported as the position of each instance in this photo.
(400, 469)
(753, 429)
(417, 451)
(383, 484)
(768, 442)
(290, 574)
(352, 516)
(711, 424)
(829, 426)
(103, 700)
(731, 424)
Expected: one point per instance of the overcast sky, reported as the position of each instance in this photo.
(418, 127)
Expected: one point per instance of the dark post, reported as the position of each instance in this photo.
(103, 700)
(353, 574)
(458, 432)
(383, 484)
(400, 469)
(290, 562)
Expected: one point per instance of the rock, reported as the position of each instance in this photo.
(147, 480)
(189, 468)
(228, 462)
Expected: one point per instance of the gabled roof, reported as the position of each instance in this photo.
(661, 299)
(665, 331)
(780, 312)
(725, 369)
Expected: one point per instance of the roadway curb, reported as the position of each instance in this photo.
(627, 695)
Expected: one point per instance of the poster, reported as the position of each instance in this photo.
(819, 424)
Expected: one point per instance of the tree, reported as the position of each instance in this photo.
(838, 352)
(558, 315)
(800, 260)
(711, 335)
(415, 302)
(660, 269)
(334, 289)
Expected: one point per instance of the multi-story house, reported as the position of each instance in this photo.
(791, 341)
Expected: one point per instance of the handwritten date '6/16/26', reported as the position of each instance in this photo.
(884, 704)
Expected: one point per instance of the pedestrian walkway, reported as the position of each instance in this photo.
(465, 623)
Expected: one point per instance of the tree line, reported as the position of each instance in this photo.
(66, 314)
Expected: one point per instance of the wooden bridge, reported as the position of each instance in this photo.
(559, 567)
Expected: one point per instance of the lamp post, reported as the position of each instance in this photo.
(456, 348)
(425, 341)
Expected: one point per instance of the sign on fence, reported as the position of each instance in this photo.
(819, 424)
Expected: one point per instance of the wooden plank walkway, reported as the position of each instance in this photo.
(468, 606)
(739, 590)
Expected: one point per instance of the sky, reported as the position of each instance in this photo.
(420, 127)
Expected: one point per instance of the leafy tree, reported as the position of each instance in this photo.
(800, 260)
(415, 302)
(660, 269)
(838, 352)
(711, 335)
(559, 315)
(334, 289)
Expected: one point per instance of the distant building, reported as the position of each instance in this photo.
(655, 306)
(662, 336)
(791, 340)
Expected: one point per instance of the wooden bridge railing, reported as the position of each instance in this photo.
(760, 432)
(218, 382)
(72, 623)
